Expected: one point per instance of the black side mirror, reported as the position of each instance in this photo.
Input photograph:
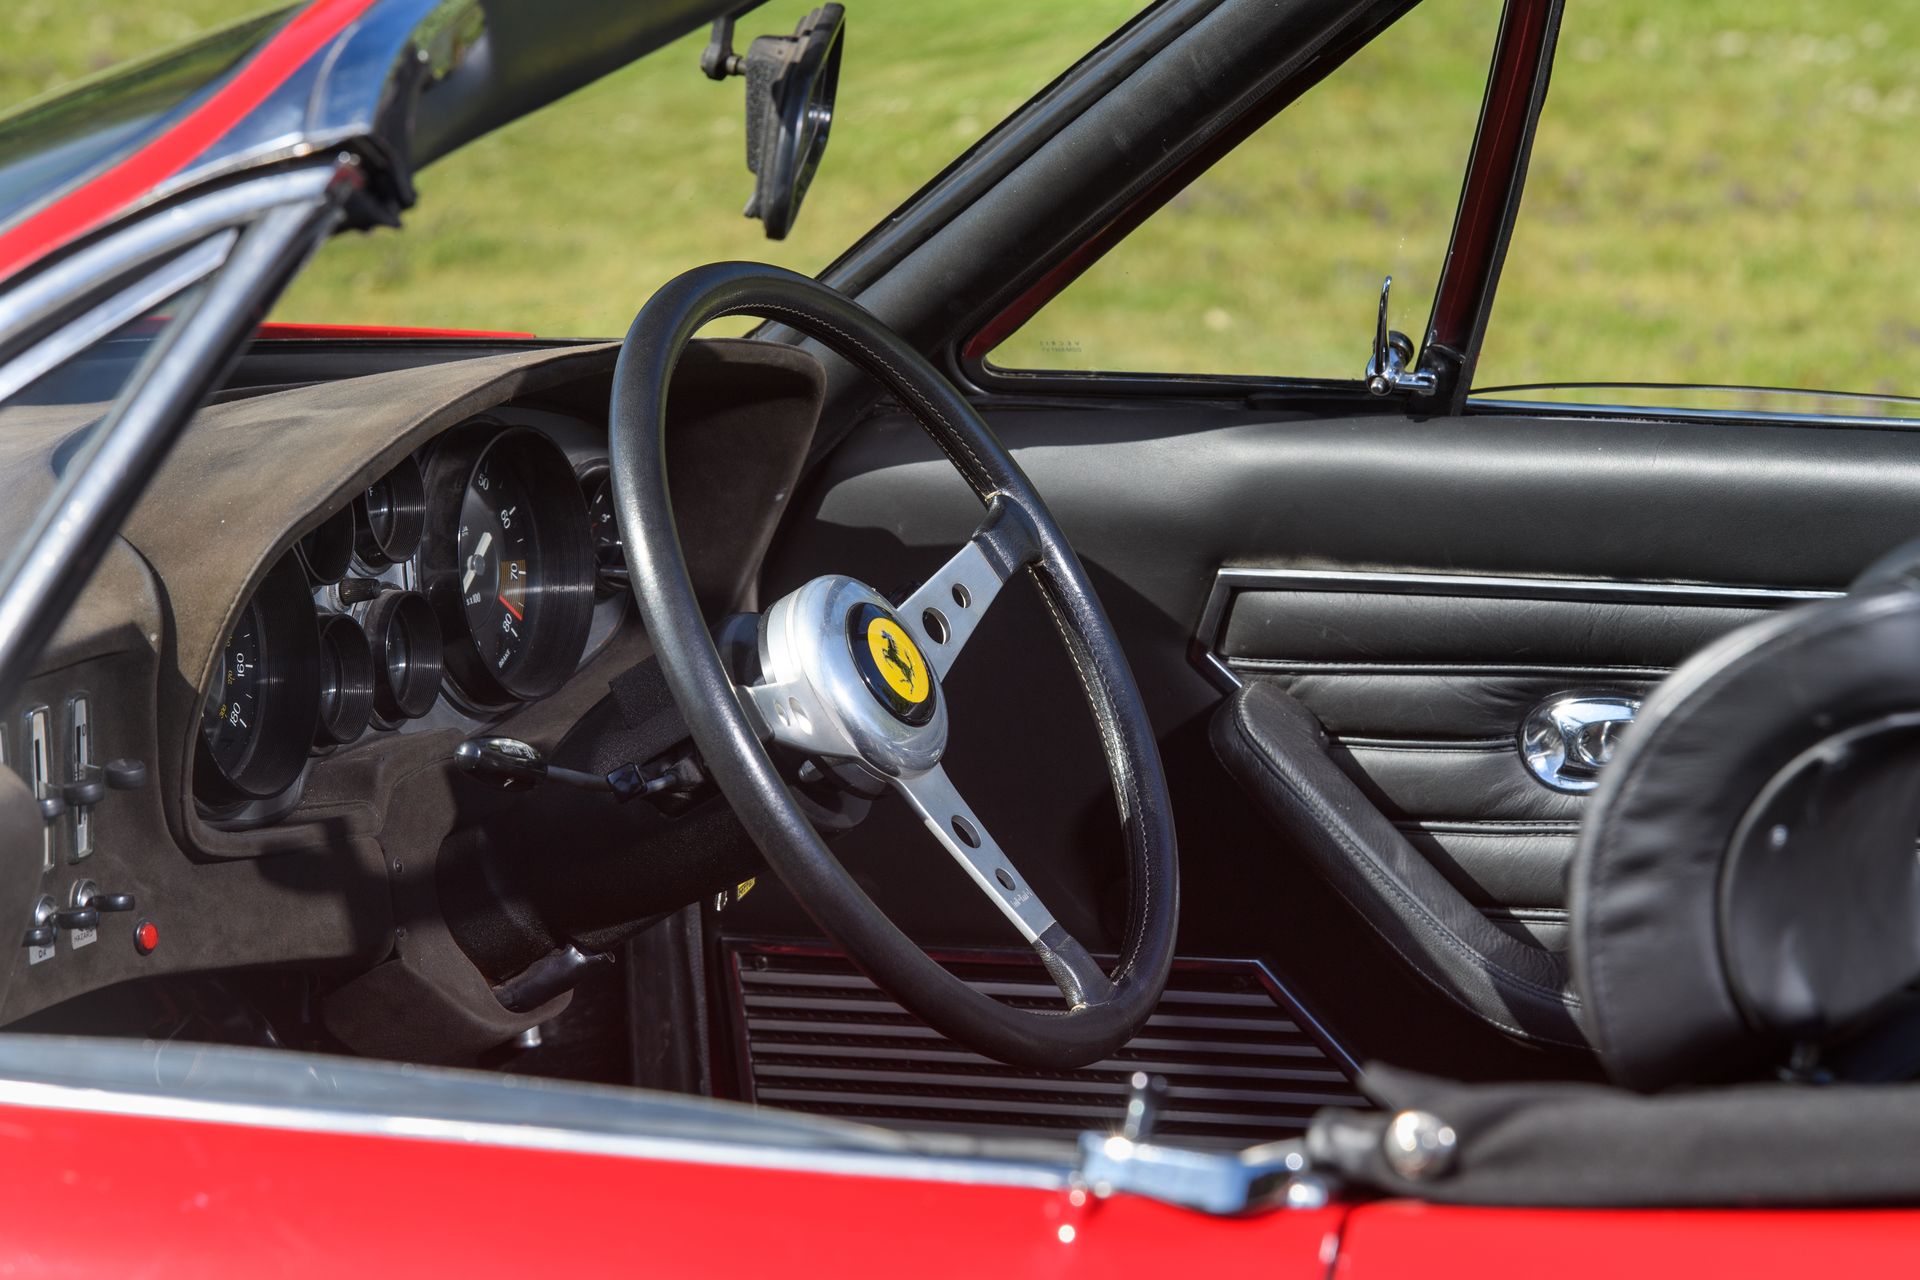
(791, 82)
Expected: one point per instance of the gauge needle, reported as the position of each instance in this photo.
(510, 609)
(478, 558)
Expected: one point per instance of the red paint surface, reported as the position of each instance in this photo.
(101, 1195)
(127, 182)
(1401, 1238)
(275, 331)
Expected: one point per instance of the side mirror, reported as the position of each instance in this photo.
(791, 83)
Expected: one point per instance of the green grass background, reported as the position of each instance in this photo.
(1722, 190)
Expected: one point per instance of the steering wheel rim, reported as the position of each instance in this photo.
(1103, 1010)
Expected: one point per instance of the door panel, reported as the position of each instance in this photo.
(1585, 521)
(1438, 750)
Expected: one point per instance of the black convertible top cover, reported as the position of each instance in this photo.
(1596, 1146)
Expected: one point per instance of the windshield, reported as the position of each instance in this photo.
(565, 222)
(45, 148)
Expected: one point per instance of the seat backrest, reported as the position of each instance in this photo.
(1745, 886)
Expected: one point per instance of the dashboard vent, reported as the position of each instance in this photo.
(1242, 1062)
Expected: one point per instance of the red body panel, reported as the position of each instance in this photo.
(1402, 1238)
(106, 1195)
(108, 194)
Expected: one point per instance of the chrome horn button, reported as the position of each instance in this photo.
(843, 677)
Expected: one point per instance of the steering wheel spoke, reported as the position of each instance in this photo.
(943, 613)
(791, 715)
(961, 833)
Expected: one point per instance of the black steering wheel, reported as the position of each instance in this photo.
(849, 676)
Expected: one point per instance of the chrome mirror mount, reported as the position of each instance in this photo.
(1389, 369)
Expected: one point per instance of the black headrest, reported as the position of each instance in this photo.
(1746, 881)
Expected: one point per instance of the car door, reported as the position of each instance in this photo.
(1426, 570)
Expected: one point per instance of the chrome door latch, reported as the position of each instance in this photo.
(1569, 738)
(1387, 368)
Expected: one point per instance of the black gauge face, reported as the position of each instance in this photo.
(609, 557)
(264, 700)
(606, 529)
(232, 720)
(499, 565)
(508, 564)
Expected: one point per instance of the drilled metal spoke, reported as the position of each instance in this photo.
(960, 831)
(944, 611)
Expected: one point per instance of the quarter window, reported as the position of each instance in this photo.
(1270, 264)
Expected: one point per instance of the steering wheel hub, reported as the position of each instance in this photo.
(844, 678)
(894, 669)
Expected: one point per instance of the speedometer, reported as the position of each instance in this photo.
(508, 562)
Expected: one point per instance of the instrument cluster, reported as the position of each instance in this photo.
(466, 581)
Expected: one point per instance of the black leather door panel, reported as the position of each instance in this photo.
(1444, 782)
(1433, 705)
(1357, 630)
(1499, 866)
(1423, 680)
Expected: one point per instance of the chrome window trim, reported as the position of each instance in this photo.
(1228, 582)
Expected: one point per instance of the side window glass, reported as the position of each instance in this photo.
(1270, 264)
(1721, 201)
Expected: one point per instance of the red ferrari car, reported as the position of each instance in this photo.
(482, 803)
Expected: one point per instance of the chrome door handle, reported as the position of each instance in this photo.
(1566, 740)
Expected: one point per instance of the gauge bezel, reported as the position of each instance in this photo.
(409, 517)
(406, 690)
(327, 549)
(346, 681)
(560, 611)
(289, 705)
(608, 579)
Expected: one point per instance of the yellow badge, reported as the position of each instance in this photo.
(900, 663)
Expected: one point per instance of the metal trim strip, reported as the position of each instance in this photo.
(531, 1134)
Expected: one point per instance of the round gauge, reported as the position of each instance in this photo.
(507, 561)
(388, 516)
(327, 549)
(609, 555)
(263, 703)
(404, 640)
(346, 681)
(232, 717)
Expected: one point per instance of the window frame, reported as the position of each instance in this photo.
(1495, 172)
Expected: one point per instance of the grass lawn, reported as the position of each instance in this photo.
(1722, 190)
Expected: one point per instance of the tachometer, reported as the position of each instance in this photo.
(508, 563)
(263, 702)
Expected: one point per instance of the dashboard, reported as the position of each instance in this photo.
(237, 751)
(469, 579)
